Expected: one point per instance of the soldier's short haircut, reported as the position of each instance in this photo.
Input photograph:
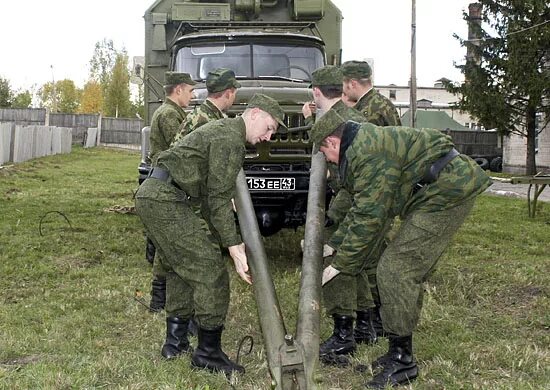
(363, 82)
(331, 91)
(338, 133)
(169, 89)
(217, 95)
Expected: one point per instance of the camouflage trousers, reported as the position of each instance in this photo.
(197, 280)
(408, 261)
(346, 294)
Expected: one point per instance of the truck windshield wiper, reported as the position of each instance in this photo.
(284, 78)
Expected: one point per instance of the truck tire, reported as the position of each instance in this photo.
(482, 162)
(496, 164)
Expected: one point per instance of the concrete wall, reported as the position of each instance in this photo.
(515, 153)
(22, 143)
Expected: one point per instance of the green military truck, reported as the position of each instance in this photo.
(273, 46)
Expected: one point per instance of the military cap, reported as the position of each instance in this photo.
(221, 79)
(269, 105)
(327, 75)
(175, 78)
(356, 70)
(325, 126)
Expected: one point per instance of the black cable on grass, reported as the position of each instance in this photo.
(52, 212)
(141, 301)
(241, 346)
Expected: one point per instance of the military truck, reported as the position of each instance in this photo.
(273, 46)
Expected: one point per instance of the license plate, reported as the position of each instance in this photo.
(270, 183)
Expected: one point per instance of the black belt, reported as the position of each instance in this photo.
(163, 175)
(433, 172)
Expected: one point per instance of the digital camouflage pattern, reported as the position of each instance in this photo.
(165, 125)
(206, 112)
(204, 165)
(175, 78)
(378, 109)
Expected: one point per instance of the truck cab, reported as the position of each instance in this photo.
(273, 47)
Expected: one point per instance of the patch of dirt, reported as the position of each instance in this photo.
(513, 298)
(21, 361)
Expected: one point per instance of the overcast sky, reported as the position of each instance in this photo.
(38, 34)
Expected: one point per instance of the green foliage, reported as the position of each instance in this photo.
(117, 98)
(102, 62)
(6, 94)
(64, 96)
(507, 77)
(22, 100)
(70, 316)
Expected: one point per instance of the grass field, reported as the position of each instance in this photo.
(70, 316)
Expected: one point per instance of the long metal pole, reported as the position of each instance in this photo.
(413, 65)
(308, 326)
(269, 312)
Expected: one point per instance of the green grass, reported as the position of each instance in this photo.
(69, 318)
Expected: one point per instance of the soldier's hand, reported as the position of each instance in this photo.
(328, 274)
(238, 254)
(308, 109)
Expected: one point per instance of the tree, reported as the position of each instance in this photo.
(22, 99)
(117, 97)
(508, 77)
(91, 100)
(6, 94)
(61, 97)
(103, 62)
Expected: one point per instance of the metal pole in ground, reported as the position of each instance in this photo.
(308, 326)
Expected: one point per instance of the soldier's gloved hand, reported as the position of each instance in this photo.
(328, 274)
(238, 254)
(328, 250)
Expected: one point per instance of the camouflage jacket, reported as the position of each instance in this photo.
(164, 126)
(205, 165)
(379, 168)
(378, 109)
(206, 112)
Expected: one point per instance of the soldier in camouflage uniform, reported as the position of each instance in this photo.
(415, 174)
(165, 124)
(380, 111)
(327, 94)
(222, 86)
(201, 169)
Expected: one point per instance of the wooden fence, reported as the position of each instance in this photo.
(119, 131)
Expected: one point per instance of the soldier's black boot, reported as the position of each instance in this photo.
(209, 353)
(377, 322)
(150, 250)
(364, 332)
(341, 342)
(158, 294)
(176, 338)
(398, 364)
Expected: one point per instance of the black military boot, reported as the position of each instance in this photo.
(398, 365)
(377, 322)
(209, 353)
(341, 342)
(158, 294)
(364, 332)
(176, 338)
(150, 250)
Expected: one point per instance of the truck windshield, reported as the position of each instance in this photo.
(250, 60)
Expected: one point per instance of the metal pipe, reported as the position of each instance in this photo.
(269, 312)
(308, 326)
